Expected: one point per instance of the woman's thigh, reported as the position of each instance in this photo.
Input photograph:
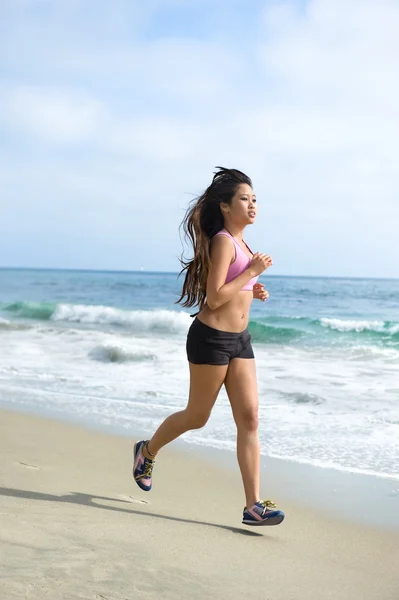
(205, 384)
(242, 390)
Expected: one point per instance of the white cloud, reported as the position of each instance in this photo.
(343, 54)
(308, 106)
(59, 116)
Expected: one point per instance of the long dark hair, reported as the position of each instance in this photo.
(202, 221)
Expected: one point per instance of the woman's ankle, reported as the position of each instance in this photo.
(251, 501)
(148, 451)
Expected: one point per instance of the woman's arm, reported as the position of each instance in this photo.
(222, 254)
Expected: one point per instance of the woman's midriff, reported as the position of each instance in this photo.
(232, 316)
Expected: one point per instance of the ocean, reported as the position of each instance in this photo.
(107, 349)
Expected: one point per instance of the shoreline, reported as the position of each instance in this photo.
(343, 495)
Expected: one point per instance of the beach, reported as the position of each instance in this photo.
(75, 526)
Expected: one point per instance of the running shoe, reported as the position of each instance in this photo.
(142, 467)
(262, 513)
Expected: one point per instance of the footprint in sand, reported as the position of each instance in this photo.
(131, 499)
(28, 466)
(121, 498)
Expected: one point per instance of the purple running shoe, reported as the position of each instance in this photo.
(142, 467)
(262, 513)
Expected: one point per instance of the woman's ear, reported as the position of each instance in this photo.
(224, 208)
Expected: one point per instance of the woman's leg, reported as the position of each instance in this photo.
(242, 390)
(205, 384)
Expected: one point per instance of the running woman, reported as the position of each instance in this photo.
(221, 280)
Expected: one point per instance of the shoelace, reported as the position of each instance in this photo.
(267, 504)
(148, 467)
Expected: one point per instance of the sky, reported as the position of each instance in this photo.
(114, 115)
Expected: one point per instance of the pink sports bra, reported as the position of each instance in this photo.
(240, 262)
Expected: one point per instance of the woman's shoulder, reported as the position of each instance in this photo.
(222, 232)
(221, 237)
(222, 244)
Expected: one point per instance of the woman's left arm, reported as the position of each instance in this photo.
(259, 292)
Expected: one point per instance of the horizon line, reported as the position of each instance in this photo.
(150, 272)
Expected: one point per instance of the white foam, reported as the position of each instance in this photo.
(5, 324)
(352, 325)
(49, 369)
(371, 352)
(338, 467)
(113, 352)
(137, 320)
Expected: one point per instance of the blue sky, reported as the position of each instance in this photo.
(113, 116)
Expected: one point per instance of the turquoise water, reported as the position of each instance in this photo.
(109, 348)
(301, 311)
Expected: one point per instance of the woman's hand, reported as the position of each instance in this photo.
(259, 263)
(259, 292)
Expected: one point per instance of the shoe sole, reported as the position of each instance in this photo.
(276, 520)
(145, 489)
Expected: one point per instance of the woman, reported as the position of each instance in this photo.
(222, 280)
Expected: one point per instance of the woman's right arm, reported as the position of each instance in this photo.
(222, 254)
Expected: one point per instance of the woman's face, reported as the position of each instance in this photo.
(242, 210)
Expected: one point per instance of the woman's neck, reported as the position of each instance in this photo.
(234, 230)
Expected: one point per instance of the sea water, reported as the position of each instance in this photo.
(108, 349)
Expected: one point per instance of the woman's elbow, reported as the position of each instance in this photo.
(213, 303)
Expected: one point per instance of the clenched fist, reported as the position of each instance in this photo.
(259, 292)
(259, 263)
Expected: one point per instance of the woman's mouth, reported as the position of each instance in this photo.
(252, 213)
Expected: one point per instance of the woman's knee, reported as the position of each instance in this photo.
(196, 420)
(247, 420)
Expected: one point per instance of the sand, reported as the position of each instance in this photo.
(74, 525)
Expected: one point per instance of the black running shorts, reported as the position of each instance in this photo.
(208, 346)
